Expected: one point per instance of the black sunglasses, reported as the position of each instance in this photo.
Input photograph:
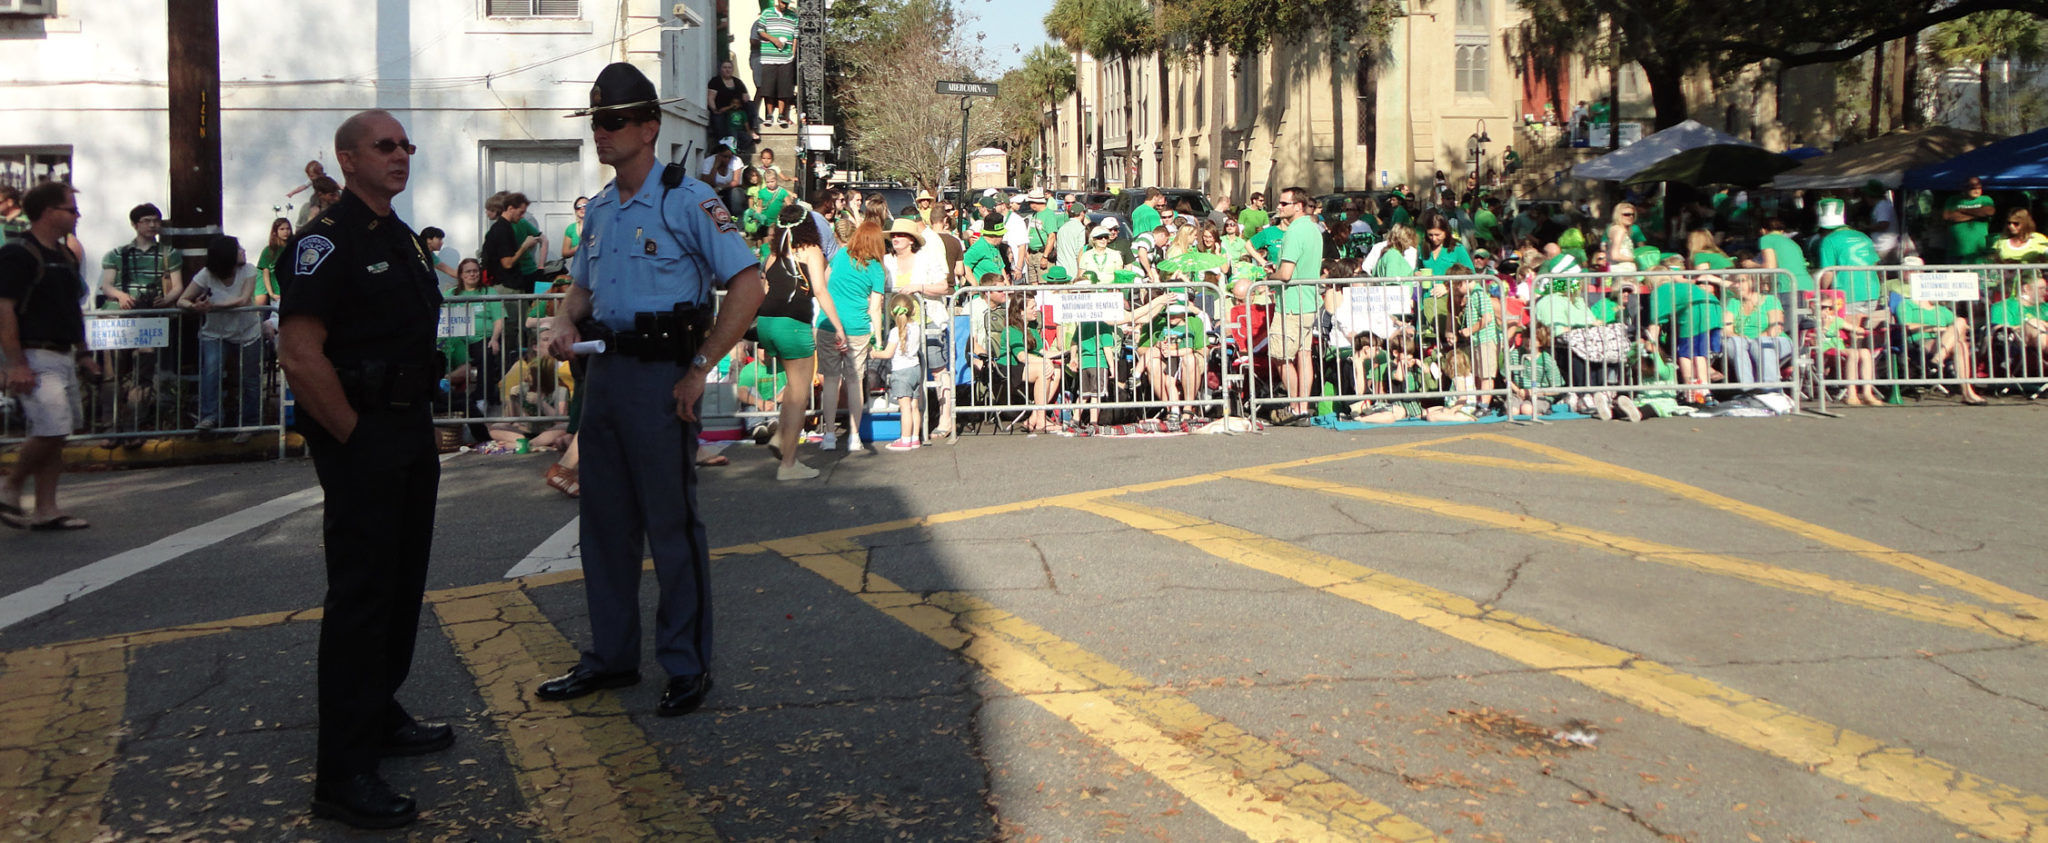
(387, 146)
(610, 121)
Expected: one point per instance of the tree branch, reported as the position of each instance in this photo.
(1909, 26)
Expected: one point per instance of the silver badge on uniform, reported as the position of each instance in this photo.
(379, 266)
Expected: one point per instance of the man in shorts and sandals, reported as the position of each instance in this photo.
(42, 345)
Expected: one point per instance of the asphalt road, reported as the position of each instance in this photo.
(1782, 629)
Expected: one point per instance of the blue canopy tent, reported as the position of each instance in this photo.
(2016, 163)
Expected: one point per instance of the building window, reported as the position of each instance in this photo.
(23, 167)
(1631, 81)
(1472, 16)
(1472, 68)
(532, 8)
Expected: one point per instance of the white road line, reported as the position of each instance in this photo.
(78, 582)
(559, 553)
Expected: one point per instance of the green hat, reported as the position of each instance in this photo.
(1561, 265)
(992, 226)
(1126, 276)
(1647, 256)
(1055, 274)
(1834, 213)
(1562, 286)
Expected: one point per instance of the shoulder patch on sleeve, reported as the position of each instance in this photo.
(720, 217)
(313, 251)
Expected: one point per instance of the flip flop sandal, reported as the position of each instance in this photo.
(61, 522)
(714, 461)
(563, 480)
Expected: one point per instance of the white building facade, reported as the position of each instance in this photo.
(482, 86)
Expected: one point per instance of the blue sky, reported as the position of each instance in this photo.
(1010, 28)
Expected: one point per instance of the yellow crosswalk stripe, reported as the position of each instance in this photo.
(1891, 601)
(1250, 784)
(59, 734)
(585, 769)
(1568, 463)
(1983, 806)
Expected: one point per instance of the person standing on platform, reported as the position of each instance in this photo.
(656, 244)
(357, 341)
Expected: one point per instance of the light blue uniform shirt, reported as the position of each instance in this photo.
(827, 241)
(633, 262)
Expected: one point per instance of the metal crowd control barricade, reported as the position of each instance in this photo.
(498, 371)
(1604, 328)
(152, 381)
(1376, 348)
(1932, 327)
(1027, 345)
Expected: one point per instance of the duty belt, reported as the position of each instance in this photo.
(390, 385)
(656, 337)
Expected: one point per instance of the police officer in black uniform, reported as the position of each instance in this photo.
(656, 243)
(357, 341)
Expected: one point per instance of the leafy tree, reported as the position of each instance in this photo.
(1670, 38)
(891, 58)
(1045, 78)
(1067, 23)
(1978, 40)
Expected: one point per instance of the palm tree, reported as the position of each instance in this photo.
(1067, 23)
(1048, 76)
(1122, 29)
(1980, 39)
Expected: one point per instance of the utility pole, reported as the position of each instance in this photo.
(194, 215)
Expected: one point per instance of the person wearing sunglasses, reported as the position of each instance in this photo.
(356, 338)
(655, 247)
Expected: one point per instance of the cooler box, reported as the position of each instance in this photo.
(881, 427)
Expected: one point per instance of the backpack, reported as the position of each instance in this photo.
(35, 250)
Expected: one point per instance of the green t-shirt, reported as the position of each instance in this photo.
(140, 272)
(1485, 226)
(1830, 338)
(1016, 342)
(1790, 259)
(1143, 219)
(1849, 247)
(1267, 240)
(1969, 242)
(1190, 333)
(1755, 322)
(1444, 260)
(12, 227)
(983, 258)
(1393, 264)
(1399, 216)
(521, 230)
(1049, 222)
(1713, 260)
(1478, 307)
(1251, 220)
(1928, 318)
(484, 315)
(574, 233)
(782, 26)
(1097, 342)
(1302, 245)
(266, 272)
(850, 284)
(2011, 313)
(1696, 311)
(772, 202)
(766, 381)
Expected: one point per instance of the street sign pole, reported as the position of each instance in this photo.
(967, 91)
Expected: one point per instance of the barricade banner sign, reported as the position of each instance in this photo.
(1072, 308)
(1944, 286)
(112, 334)
(1374, 308)
(456, 321)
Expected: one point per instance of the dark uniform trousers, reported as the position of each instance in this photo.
(639, 475)
(380, 488)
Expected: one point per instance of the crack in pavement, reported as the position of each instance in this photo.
(1620, 807)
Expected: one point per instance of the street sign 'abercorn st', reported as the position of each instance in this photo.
(968, 89)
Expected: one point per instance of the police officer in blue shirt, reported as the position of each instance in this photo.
(655, 245)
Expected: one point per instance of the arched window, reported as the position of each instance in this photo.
(1472, 68)
(1472, 16)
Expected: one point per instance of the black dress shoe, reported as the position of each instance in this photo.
(684, 694)
(364, 801)
(418, 739)
(581, 681)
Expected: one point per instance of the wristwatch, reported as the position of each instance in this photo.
(700, 362)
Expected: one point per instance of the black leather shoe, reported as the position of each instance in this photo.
(684, 694)
(363, 801)
(418, 739)
(581, 681)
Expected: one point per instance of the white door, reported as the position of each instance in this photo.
(550, 174)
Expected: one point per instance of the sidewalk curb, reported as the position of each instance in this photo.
(85, 452)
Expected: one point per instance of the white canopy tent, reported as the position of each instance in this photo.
(1629, 160)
